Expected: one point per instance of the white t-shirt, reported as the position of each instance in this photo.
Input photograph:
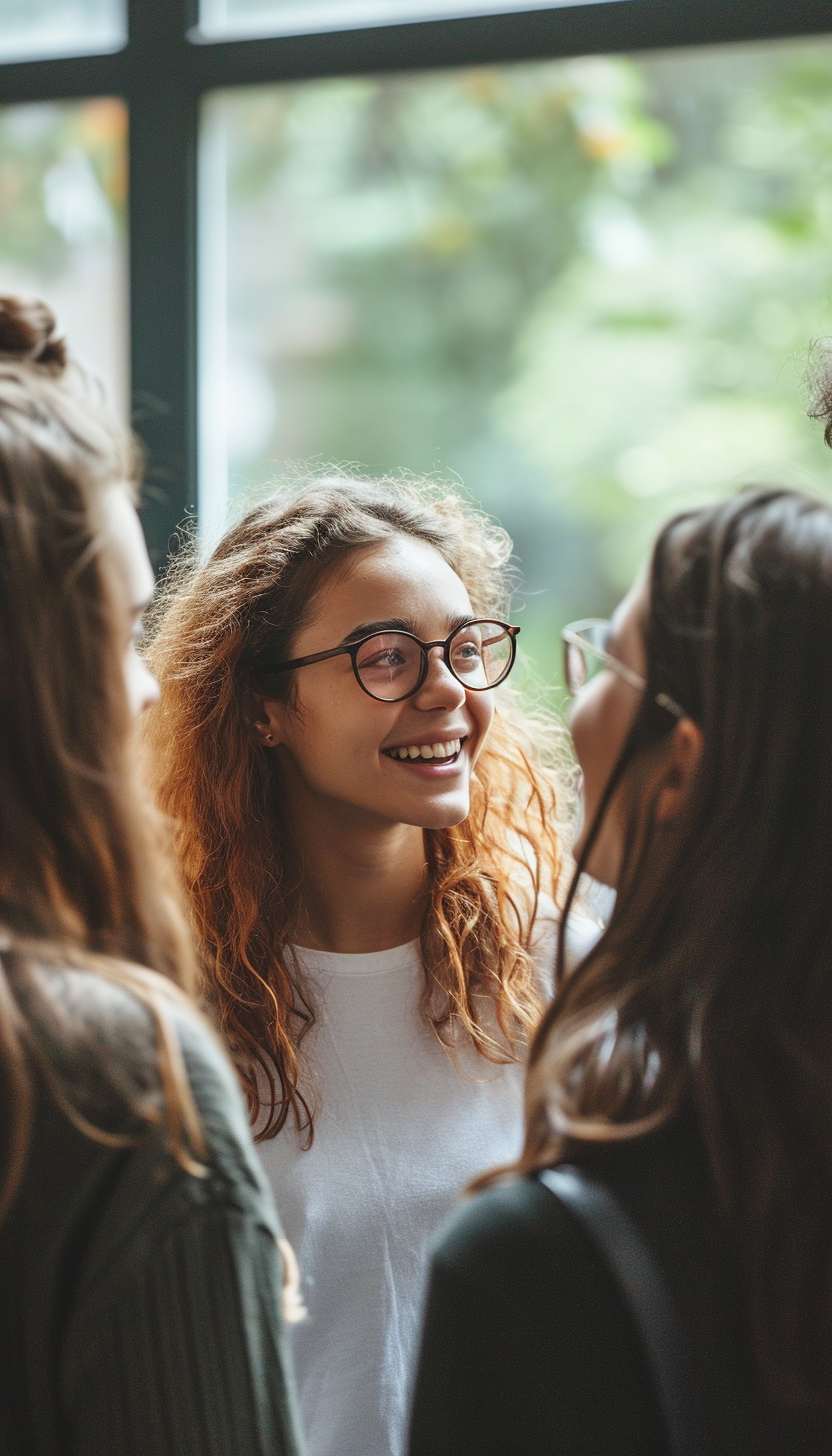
(399, 1132)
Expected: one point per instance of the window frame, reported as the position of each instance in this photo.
(165, 69)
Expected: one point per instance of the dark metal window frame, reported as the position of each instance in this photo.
(162, 75)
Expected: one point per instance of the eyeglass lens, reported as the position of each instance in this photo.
(581, 664)
(389, 665)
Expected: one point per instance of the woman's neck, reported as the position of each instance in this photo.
(363, 885)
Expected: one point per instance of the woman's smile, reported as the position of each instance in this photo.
(439, 754)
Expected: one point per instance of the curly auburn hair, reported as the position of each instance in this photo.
(216, 629)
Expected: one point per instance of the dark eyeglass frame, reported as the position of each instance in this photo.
(352, 649)
(573, 636)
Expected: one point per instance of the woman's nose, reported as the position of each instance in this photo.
(440, 688)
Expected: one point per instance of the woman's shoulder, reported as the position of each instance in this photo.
(517, 1247)
(516, 1258)
(221, 1106)
(103, 1042)
(507, 1230)
(525, 1313)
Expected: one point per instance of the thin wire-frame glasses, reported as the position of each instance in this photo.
(585, 654)
(391, 666)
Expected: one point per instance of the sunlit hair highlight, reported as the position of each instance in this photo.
(221, 625)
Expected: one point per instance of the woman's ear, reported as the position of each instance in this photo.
(678, 770)
(266, 718)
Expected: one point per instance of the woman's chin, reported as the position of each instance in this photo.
(444, 815)
(604, 860)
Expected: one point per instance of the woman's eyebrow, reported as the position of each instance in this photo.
(398, 624)
(366, 629)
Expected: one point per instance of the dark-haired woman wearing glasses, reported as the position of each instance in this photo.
(368, 830)
(684, 1067)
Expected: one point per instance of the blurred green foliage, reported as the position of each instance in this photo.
(586, 288)
(63, 180)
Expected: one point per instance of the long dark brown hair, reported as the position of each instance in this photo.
(222, 625)
(84, 882)
(712, 985)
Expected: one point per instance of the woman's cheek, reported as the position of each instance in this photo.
(577, 724)
(593, 729)
(483, 716)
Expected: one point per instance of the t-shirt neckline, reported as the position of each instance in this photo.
(364, 963)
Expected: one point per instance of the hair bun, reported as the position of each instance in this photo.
(27, 329)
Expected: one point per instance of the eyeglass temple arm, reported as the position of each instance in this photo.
(614, 663)
(314, 657)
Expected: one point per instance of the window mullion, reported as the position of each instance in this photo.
(163, 125)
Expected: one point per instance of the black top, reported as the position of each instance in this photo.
(140, 1305)
(528, 1347)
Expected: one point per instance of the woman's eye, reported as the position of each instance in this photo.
(468, 659)
(470, 650)
(391, 657)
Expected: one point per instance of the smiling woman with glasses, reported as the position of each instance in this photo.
(368, 830)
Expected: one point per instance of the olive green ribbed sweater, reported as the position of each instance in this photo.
(140, 1306)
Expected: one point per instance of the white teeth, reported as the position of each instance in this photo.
(428, 750)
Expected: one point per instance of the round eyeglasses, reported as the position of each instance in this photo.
(585, 655)
(391, 666)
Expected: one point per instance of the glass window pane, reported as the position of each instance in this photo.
(36, 29)
(585, 287)
(63, 171)
(220, 19)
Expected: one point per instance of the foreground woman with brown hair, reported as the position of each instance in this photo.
(369, 834)
(139, 1276)
(685, 1066)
